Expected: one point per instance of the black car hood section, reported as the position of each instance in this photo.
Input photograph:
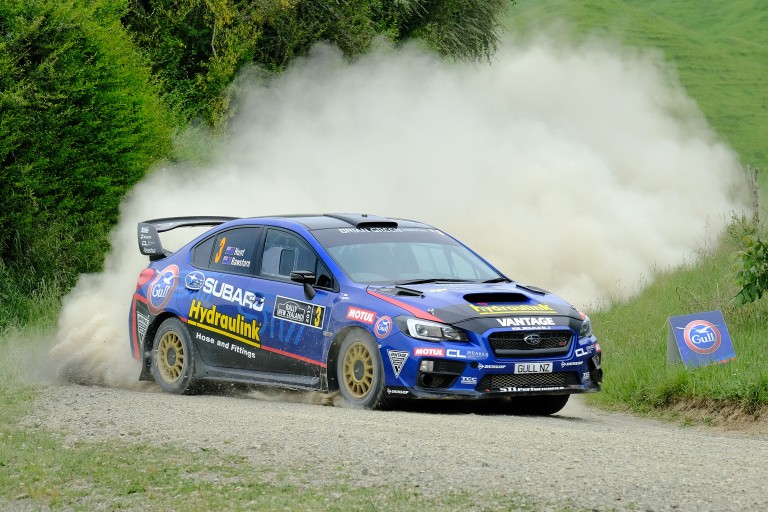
(479, 307)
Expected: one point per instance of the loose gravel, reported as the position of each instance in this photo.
(584, 457)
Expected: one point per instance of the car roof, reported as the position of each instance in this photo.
(346, 220)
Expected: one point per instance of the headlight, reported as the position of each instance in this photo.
(429, 331)
(586, 327)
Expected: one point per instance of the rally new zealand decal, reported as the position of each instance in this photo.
(299, 312)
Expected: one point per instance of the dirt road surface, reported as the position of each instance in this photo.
(587, 457)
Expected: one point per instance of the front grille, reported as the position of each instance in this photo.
(513, 344)
(529, 380)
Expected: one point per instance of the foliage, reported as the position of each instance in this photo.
(80, 122)
(752, 269)
(198, 46)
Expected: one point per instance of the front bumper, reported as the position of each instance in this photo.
(470, 371)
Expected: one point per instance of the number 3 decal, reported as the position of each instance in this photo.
(221, 249)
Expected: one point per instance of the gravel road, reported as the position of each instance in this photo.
(593, 459)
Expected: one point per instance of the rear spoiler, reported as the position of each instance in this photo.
(149, 240)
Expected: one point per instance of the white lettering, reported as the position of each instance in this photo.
(525, 321)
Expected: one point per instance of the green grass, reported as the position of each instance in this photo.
(633, 335)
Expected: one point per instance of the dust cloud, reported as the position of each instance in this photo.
(570, 167)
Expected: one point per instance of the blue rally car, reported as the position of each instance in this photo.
(376, 308)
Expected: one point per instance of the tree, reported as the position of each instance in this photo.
(198, 46)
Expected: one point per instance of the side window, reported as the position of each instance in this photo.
(286, 252)
(201, 254)
(234, 250)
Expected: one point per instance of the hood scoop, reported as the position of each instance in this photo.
(496, 298)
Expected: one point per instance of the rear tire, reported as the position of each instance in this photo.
(360, 372)
(543, 405)
(173, 359)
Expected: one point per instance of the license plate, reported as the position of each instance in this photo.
(533, 367)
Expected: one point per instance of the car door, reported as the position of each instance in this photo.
(292, 333)
(224, 314)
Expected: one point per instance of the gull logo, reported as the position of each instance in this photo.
(397, 359)
(161, 289)
(532, 339)
(702, 337)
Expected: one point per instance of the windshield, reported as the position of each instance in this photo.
(402, 256)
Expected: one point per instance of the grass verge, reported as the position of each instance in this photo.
(634, 337)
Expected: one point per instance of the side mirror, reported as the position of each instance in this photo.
(306, 278)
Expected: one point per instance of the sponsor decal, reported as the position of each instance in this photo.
(572, 363)
(525, 321)
(238, 327)
(583, 352)
(299, 312)
(482, 366)
(452, 352)
(226, 345)
(361, 315)
(537, 367)
(469, 380)
(388, 230)
(511, 309)
(145, 230)
(429, 351)
(397, 360)
(585, 376)
(194, 280)
(702, 337)
(161, 289)
(514, 388)
(383, 326)
(142, 321)
(476, 353)
(393, 391)
(226, 291)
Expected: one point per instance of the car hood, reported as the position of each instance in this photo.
(478, 307)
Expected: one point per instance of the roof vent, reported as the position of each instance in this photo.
(364, 220)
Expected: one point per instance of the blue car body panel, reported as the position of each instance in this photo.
(249, 327)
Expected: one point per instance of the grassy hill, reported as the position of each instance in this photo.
(720, 52)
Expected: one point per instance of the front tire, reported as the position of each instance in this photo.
(542, 405)
(173, 359)
(360, 372)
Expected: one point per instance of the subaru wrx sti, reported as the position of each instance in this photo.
(376, 308)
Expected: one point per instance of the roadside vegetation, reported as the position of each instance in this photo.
(718, 52)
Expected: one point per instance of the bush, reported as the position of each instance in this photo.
(80, 122)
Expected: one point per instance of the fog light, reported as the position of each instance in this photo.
(427, 366)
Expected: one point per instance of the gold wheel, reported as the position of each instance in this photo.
(358, 370)
(170, 357)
